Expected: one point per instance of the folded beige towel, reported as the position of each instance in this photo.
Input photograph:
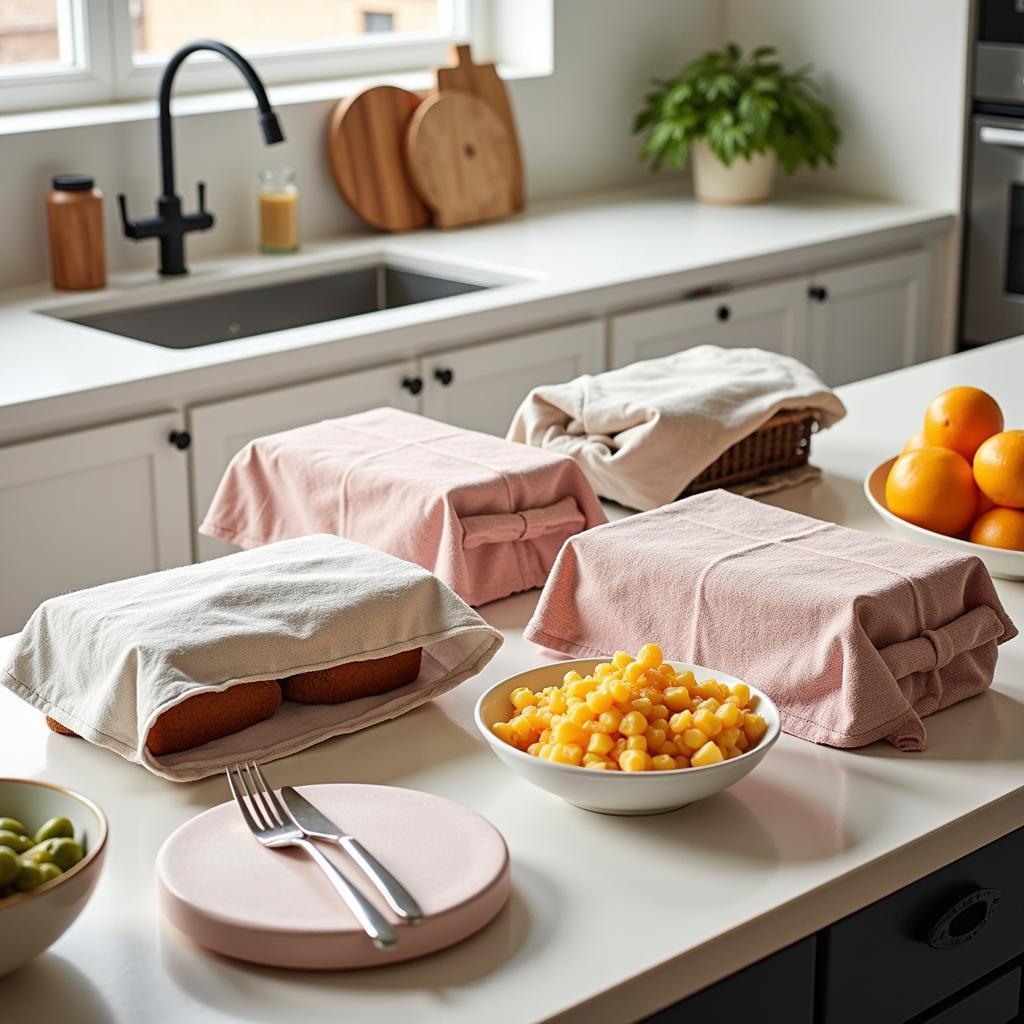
(643, 432)
(107, 662)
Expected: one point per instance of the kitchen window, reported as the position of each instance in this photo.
(59, 53)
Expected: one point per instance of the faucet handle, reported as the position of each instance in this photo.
(201, 194)
(126, 223)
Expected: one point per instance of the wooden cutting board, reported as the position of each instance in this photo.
(365, 143)
(461, 159)
(484, 81)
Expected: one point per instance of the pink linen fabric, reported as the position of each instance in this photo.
(855, 637)
(484, 514)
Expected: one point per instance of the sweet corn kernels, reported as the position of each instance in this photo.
(633, 714)
(633, 724)
(677, 698)
(681, 721)
(728, 714)
(707, 723)
(635, 761)
(708, 754)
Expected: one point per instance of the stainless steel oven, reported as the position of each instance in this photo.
(993, 289)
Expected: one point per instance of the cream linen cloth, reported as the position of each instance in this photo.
(643, 432)
(107, 662)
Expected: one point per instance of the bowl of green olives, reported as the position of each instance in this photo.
(52, 843)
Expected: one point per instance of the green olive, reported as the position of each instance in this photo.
(28, 877)
(63, 852)
(49, 871)
(55, 828)
(12, 825)
(17, 841)
(9, 865)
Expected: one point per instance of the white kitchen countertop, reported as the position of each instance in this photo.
(610, 918)
(570, 259)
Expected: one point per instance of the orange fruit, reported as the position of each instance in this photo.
(999, 468)
(1000, 528)
(961, 418)
(917, 441)
(933, 488)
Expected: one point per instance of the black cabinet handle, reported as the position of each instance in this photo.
(414, 385)
(962, 921)
(181, 439)
(723, 312)
(817, 292)
(444, 375)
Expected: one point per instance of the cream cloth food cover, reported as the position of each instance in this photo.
(108, 661)
(643, 432)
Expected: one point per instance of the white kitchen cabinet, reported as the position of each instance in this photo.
(481, 387)
(869, 318)
(220, 429)
(771, 316)
(89, 507)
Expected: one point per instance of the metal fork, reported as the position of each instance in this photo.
(269, 823)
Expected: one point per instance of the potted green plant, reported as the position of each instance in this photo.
(740, 116)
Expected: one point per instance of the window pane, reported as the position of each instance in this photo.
(161, 26)
(34, 33)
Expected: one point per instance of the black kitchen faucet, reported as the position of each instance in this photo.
(170, 225)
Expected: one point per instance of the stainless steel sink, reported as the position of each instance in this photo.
(262, 309)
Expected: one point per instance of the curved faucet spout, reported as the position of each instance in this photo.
(170, 225)
(271, 127)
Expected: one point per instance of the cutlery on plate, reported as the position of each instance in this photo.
(269, 823)
(317, 825)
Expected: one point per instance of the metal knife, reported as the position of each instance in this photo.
(317, 825)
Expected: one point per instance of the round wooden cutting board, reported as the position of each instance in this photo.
(462, 159)
(365, 145)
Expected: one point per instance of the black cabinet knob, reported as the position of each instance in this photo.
(414, 385)
(818, 293)
(444, 375)
(181, 439)
(964, 919)
(723, 312)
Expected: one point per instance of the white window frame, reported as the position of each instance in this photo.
(109, 72)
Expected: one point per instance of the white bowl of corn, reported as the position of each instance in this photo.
(628, 734)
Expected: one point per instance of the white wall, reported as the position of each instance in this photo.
(574, 126)
(895, 71)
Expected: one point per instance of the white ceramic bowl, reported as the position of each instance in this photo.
(619, 792)
(30, 922)
(1007, 565)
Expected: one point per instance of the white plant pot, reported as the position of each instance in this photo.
(745, 181)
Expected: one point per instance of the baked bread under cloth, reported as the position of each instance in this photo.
(107, 662)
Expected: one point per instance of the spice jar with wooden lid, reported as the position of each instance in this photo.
(74, 214)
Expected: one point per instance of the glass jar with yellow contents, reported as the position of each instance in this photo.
(279, 210)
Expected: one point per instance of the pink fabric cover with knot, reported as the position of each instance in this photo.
(484, 514)
(855, 637)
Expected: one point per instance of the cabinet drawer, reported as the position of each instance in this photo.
(924, 943)
(998, 1002)
(776, 990)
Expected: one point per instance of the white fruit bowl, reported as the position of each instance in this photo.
(1006, 565)
(31, 922)
(619, 792)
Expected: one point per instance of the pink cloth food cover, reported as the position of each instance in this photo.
(855, 637)
(484, 514)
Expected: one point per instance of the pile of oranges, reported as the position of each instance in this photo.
(963, 474)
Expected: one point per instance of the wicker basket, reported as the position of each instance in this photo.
(784, 442)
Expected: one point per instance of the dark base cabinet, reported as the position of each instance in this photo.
(945, 950)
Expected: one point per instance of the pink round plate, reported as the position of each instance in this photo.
(228, 893)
